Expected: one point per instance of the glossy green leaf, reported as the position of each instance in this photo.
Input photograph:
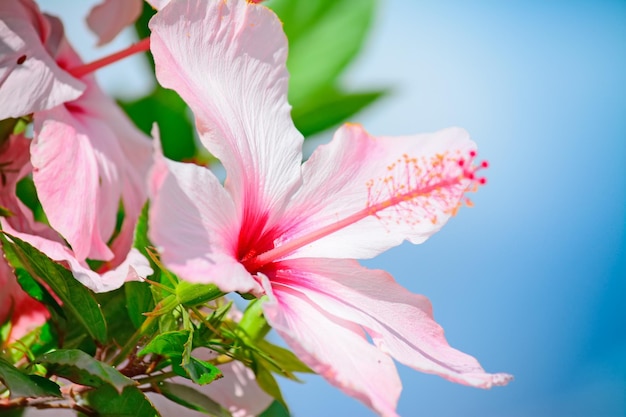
(5, 212)
(77, 299)
(268, 383)
(81, 368)
(27, 193)
(201, 372)
(138, 301)
(253, 326)
(23, 385)
(285, 361)
(170, 344)
(324, 36)
(131, 402)
(37, 291)
(114, 308)
(191, 398)
(191, 294)
(177, 346)
(331, 108)
(276, 409)
(171, 114)
(140, 238)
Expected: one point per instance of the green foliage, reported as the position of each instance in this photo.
(331, 108)
(118, 344)
(276, 409)
(77, 300)
(324, 37)
(131, 402)
(172, 116)
(23, 385)
(191, 398)
(191, 294)
(138, 301)
(170, 344)
(81, 368)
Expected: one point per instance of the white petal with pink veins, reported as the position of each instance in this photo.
(227, 61)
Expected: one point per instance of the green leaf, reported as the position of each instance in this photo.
(37, 291)
(177, 346)
(331, 108)
(79, 367)
(284, 359)
(22, 385)
(140, 238)
(138, 301)
(170, 111)
(275, 409)
(253, 326)
(268, 383)
(190, 294)
(201, 372)
(191, 398)
(170, 344)
(131, 402)
(324, 36)
(77, 299)
(6, 129)
(27, 193)
(5, 212)
(113, 305)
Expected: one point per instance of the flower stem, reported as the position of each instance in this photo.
(132, 342)
(156, 378)
(141, 46)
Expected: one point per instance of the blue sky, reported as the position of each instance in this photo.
(532, 280)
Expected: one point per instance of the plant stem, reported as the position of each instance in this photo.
(132, 342)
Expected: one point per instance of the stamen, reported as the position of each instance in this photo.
(141, 46)
(411, 191)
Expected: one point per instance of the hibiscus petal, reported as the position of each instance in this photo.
(191, 222)
(133, 268)
(130, 152)
(334, 348)
(30, 79)
(344, 176)
(61, 150)
(227, 61)
(115, 156)
(110, 17)
(15, 165)
(399, 322)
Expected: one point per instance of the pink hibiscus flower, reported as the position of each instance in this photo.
(24, 312)
(289, 230)
(87, 157)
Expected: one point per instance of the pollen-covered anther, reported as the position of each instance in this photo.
(413, 190)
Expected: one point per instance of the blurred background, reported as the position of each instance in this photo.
(531, 281)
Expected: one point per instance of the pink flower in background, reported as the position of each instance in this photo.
(30, 79)
(237, 391)
(109, 18)
(290, 231)
(24, 312)
(87, 157)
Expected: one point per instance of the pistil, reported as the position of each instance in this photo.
(141, 46)
(465, 171)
